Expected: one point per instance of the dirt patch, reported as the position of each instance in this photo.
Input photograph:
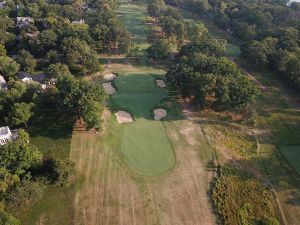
(108, 88)
(109, 76)
(159, 114)
(160, 83)
(124, 117)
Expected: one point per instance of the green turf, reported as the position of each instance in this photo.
(144, 145)
(134, 19)
(292, 155)
(52, 136)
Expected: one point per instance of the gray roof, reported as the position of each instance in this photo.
(37, 77)
(4, 131)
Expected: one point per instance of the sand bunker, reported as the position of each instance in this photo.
(124, 117)
(159, 114)
(160, 83)
(110, 76)
(108, 88)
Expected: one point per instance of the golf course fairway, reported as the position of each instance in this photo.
(145, 145)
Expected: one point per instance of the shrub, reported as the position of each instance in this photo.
(25, 193)
(58, 172)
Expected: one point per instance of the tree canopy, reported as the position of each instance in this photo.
(82, 99)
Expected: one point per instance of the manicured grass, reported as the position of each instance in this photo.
(56, 208)
(146, 147)
(52, 135)
(138, 93)
(292, 155)
(134, 19)
(144, 144)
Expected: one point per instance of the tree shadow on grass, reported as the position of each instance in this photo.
(53, 126)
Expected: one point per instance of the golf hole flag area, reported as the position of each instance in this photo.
(144, 144)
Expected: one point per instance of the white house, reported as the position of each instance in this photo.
(3, 84)
(78, 21)
(5, 135)
(26, 79)
(2, 4)
(24, 21)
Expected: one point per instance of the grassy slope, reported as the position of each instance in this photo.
(133, 18)
(53, 138)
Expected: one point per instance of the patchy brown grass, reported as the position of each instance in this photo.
(109, 193)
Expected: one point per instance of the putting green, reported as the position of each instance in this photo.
(144, 144)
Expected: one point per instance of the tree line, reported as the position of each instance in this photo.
(200, 72)
(269, 30)
(62, 42)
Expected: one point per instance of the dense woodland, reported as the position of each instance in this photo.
(62, 41)
(269, 30)
(201, 72)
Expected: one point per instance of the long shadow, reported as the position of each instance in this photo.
(52, 125)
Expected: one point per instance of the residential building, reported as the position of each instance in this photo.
(3, 84)
(7, 135)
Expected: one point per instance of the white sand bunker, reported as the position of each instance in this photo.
(108, 88)
(159, 114)
(110, 76)
(160, 83)
(124, 117)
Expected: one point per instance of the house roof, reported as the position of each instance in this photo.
(2, 80)
(4, 131)
(40, 78)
